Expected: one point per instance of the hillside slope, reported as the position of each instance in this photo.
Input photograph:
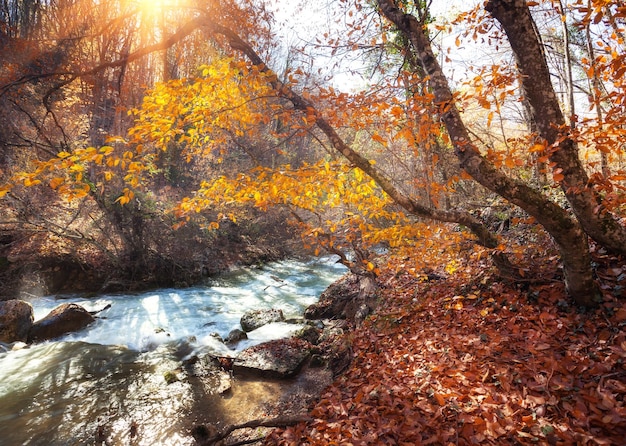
(466, 359)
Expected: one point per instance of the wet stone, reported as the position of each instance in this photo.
(209, 373)
(235, 336)
(275, 359)
(65, 318)
(16, 319)
(251, 320)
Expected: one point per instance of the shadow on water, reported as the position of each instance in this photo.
(74, 393)
(254, 399)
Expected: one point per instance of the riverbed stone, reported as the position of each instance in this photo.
(65, 318)
(235, 336)
(309, 333)
(253, 319)
(208, 372)
(16, 320)
(281, 358)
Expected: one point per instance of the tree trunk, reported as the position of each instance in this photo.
(484, 236)
(565, 230)
(597, 221)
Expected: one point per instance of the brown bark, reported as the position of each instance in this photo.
(597, 221)
(565, 230)
(484, 236)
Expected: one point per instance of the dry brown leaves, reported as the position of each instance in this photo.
(447, 363)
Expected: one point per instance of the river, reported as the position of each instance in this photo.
(105, 384)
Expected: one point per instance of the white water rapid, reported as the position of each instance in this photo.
(106, 382)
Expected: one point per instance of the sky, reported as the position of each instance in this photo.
(302, 22)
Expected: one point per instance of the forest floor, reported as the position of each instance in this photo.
(465, 358)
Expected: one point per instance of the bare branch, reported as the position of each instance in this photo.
(262, 422)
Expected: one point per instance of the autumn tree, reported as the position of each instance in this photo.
(569, 230)
(415, 116)
(71, 70)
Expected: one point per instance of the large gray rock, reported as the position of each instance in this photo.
(16, 319)
(65, 318)
(281, 358)
(352, 297)
(253, 319)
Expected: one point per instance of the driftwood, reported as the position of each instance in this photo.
(93, 313)
(262, 422)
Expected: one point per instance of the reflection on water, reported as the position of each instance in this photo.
(106, 385)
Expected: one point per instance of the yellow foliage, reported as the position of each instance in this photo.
(340, 205)
(56, 182)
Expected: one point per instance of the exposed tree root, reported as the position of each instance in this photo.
(218, 436)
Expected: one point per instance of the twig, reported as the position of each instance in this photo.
(262, 422)
(249, 441)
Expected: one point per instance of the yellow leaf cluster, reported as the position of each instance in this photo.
(202, 114)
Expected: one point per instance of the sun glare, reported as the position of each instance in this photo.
(152, 6)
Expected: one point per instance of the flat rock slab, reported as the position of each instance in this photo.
(253, 319)
(281, 358)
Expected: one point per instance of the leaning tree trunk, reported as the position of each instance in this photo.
(484, 236)
(597, 221)
(565, 230)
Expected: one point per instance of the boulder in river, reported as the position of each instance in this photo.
(281, 358)
(253, 319)
(65, 318)
(16, 319)
(235, 336)
(208, 372)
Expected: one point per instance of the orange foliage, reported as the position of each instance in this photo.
(229, 98)
(340, 206)
(466, 360)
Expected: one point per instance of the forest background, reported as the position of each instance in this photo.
(135, 128)
(155, 143)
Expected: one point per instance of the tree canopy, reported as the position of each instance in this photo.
(439, 147)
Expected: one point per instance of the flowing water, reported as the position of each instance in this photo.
(106, 384)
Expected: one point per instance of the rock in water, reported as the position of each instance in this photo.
(208, 372)
(281, 358)
(65, 318)
(235, 336)
(16, 320)
(251, 320)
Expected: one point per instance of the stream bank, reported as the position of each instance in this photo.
(36, 263)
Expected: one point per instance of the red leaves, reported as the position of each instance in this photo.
(523, 372)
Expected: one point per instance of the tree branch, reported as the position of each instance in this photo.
(485, 237)
(262, 422)
(168, 42)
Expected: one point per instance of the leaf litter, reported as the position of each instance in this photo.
(465, 361)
